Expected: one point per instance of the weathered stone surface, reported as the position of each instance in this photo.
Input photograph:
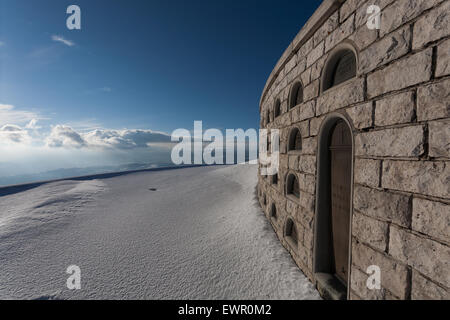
(342, 96)
(432, 26)
(439, 139)
(311, 91)
(344, 31)
(361, 13)
(397, 142)
(348, 8)
(424, 177)
(306, 77)
(309, 146)
(427, 256)
(304, 128)
(314, 125)
(306, 202)
(391, 18)
(394, 276)
(424, 289)
(291, 207)
(433, 101)
(363, 37)
(359, 285)
(367, 172)
(305, 48)
(361, 115)
(305, 218)
(304, 111)
(315, 54)
(283, 121)
(443, 59)
(329, 25)
(386, 50)
(395, 109)
(383, 205)
(308, 164)
(290, 64)
(308, 183)
(317, 67)
(293, 162)
(370, 231)
(401, 74)
(431, 218)
(308, 239)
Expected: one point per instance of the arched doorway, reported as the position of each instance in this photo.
(341, 166)
(334, 207)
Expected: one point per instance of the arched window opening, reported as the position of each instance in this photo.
(295, 140)
(275, 179)
(293, 186)
(291, 232)
(273, 211)
(296, 95)
(277, 108)
(341, 67)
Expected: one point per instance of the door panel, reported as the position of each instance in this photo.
(341, 161)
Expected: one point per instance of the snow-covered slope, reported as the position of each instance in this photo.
(200, 235)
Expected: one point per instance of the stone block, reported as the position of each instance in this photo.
(396, 142)
(383, 205)
(433, 101)
(439, 138)
(433, 26)
(367, 172)
(370, 231)
(395, 109)
(424, 177)
(403, 73)
(427, 256)
(431, 218)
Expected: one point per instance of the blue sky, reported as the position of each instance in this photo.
(152, 65)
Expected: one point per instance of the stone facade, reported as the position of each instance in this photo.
(398, 109)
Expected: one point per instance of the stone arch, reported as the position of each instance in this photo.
(323, 261)
(295, 94)
(274, 178)
(273, 211)
(277, 108)
(290, 232)
(292, 185)
(295, 139)
(267, 116)
(345, 54)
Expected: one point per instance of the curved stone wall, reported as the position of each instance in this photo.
(397, 107)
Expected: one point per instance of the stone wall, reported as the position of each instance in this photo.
(398, 106)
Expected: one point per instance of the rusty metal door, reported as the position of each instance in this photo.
(341, 164)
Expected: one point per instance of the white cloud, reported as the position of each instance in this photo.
(13, 134)
(2, 43)
(125, 139)
(9, 114)
(64, 136)
(62, 40)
